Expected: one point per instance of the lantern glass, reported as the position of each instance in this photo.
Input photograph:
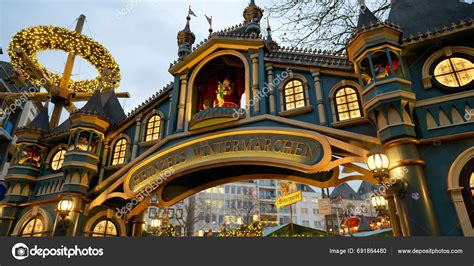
(378, 201)
(155, 223)
(65, 205)
(377, 161)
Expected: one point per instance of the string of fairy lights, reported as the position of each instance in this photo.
(252, 229)
(39, 38)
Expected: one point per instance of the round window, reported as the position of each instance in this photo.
(454, 72)
(58, 160)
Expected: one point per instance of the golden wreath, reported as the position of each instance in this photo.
(39, 38)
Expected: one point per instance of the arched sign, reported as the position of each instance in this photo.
(299, 150)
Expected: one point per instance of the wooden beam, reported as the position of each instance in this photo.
(70, 58)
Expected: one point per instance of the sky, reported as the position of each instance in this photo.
(140, 34)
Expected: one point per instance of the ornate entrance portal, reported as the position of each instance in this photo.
(209, 160)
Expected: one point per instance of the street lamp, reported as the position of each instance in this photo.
(155, 224)
(378, 163)
(379, 202)
(64, 207)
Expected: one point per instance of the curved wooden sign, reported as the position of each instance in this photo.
(300, 150)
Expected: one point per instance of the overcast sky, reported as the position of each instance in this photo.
(140, 34)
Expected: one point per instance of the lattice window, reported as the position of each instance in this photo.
(104, 228)
(33, 227)
(347, 104)
(153, 128)
(294, 95)
(120, 151)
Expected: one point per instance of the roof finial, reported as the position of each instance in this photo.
(209, 20)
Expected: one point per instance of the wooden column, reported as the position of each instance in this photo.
(271, 88)
(255, 90)
(181, 104)
(136, 138)
(319, 97)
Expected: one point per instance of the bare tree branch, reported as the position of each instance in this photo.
(321, 24)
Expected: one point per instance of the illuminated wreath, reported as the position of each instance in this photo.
(35, 39)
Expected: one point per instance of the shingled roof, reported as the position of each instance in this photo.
(112, 107)
(94, 105)
(421, 16)
(40, 122)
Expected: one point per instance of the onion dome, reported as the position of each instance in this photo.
(186, 39)
(252, 15)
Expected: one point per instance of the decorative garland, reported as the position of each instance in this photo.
(169, 230)
(39, 38)
(253, 229)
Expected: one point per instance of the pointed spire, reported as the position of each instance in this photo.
(273, 45)
(366, 17)
(94, 105)
(41, 121)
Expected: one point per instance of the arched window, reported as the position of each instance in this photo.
(104, 228)
(347, 104)
(454, 72)
(120, 150)
(294, 95)
(34, 227)
(153, 128)
(58, 159)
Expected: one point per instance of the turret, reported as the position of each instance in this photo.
(389, 102)
(375, 51)
(186, 39)
(27, 160)
(81, 160)
(252, 15)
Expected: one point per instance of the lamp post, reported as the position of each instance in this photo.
(378, 164)
(380, 205)
(63, 209)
